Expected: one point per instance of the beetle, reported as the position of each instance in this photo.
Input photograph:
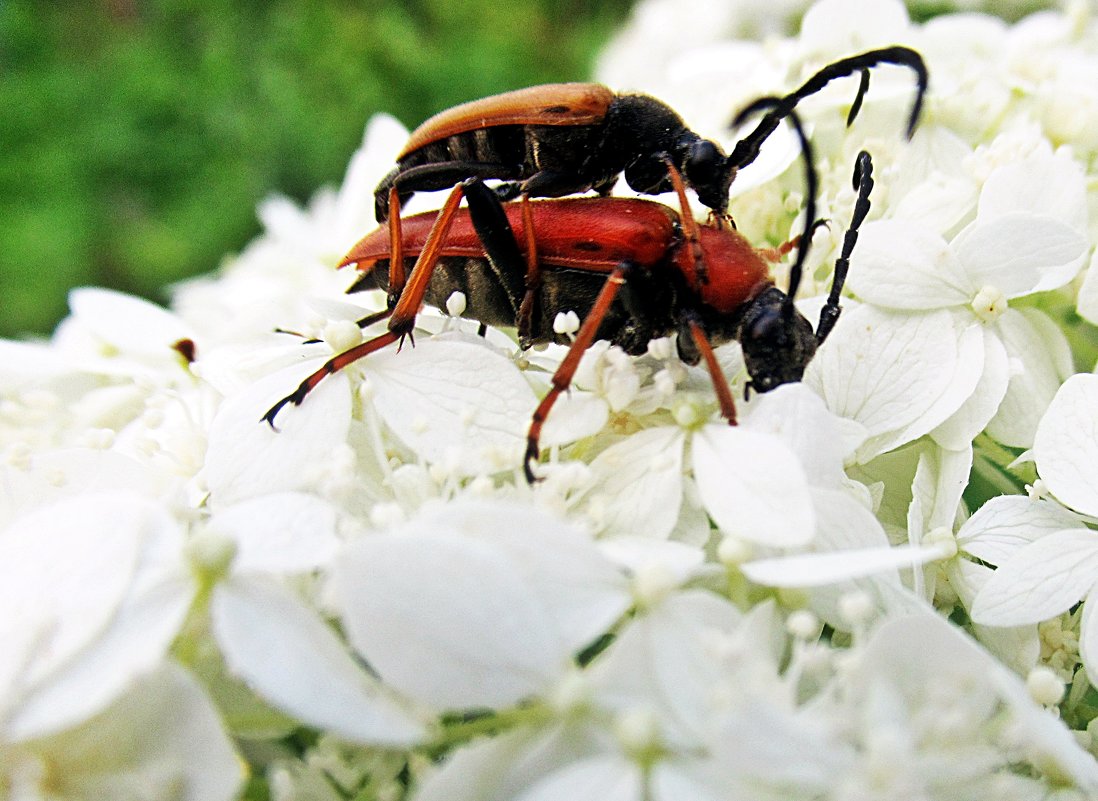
(562, 139)
(632, 269)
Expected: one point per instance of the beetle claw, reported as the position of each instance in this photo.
(529, 460)
(296, 397)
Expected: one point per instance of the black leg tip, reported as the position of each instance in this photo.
(296, 397)
(528, 463)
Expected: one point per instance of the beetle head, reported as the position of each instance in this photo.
(707, 170)
(778, 342)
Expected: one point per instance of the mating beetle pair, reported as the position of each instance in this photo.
(632, 269)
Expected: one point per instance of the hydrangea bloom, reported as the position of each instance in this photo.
(880, 585)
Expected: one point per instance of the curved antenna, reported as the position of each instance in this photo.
(747, 149)
(811, 185)
(863, 185)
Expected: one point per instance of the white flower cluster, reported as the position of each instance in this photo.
(879, 585)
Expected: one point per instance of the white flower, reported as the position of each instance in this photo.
(1026, 238)
(162, 739)
(1046, 577)
(935, 716)
(94, 590)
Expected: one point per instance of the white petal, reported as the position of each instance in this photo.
(946, 474)
(601, 778)
(446, 620)
(1005, 524)
(799, 418)
(246, 458)
(27, 364)
(880, 23)
(131, 324)
(454, 402)
(636, 554)
(753, 486)
(291, 658)
(578, 587)
(976, 412)
(964, 381)
(1066, 444)
(638, 482)
(81, 659)
(162, 739)
(902, 265)
(899, 375)
(1033, 383)
(1018, 647)
(1019, 253)
(1052, 185)
(576, 414)
(1088, 293)
(65, 570)
(822, 569)
(1088, 636)
(1040, 581)
(499, 768)
(288, 532)
(667, 660)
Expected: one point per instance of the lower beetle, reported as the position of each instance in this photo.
(563, 139)
(633, 270)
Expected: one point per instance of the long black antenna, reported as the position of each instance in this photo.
(863, 183)
(747, 149)
(811, 187)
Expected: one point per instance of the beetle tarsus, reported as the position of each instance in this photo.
(296, 398)
(529, 460)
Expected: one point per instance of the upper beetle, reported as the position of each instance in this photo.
(561, 139)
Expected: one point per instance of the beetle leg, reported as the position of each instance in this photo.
(434, 176)
(533, 275)
(546, 183)
(720, 383)
(562, 378)
(776, 254)
(333, 365)
(407, 307)
(863, 182)
(494, 230)
(397, 277)
(403, 315)
(694, 261)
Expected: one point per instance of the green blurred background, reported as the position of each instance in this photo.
(137, 137)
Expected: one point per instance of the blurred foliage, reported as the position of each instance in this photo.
(137, 137)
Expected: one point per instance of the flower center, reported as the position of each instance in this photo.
(989, 304)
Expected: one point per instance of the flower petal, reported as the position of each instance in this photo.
(461, 404)
(1033, 347)
(245, 457)
(1066, 444)
(288, 655)
(962, 426)
(637, 483)
(1040, 581)
(1008, 523)
(904, 265)
(753, 486)
(286, 532)
(1019, 253)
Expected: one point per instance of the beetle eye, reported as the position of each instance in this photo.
(702, 161)
(768, 329)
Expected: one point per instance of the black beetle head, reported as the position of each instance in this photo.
(777, 341)
(706, 169)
